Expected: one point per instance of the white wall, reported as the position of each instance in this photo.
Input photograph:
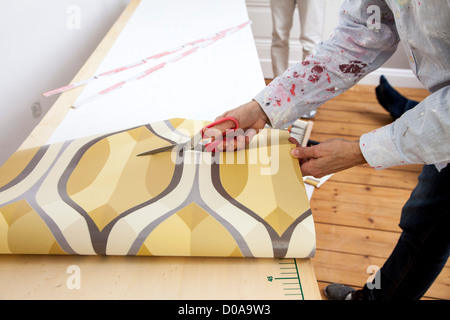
(397, 67)
(43, 44)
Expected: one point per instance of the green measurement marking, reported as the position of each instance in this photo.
(299, 282)
(288, 272)
(297, 278)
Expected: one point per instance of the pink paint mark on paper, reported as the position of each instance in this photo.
(112, 88)
(117, 70)
(190, 51)
(193, 43)
(49, 93)
(151, 70)
(162, 54)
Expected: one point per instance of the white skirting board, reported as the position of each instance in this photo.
(396, 77)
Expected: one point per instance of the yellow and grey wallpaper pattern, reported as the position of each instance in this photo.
(95, 196)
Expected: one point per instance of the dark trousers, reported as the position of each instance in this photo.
(424, 245)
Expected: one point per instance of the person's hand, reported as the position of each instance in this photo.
(330, 156)
(251, 120)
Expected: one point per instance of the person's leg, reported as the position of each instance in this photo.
(311, 15)
(282, 14)
(392, 100)
(424, 245)
(422, 249)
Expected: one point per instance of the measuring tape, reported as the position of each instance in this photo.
(192, 46)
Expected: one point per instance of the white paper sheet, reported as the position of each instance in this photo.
(201, 86)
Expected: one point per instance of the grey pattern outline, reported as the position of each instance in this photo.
(279, 243)
(30, 197)
(99, 239)
(28, 168)
(193, 196)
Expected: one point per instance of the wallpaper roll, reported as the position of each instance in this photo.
(95, 196)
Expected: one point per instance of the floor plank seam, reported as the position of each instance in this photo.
(355, 227)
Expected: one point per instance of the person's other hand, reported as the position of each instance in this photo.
(330, 156)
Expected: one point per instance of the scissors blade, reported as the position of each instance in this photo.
(193, 142)
(157, 150)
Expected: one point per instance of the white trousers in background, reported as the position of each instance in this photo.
(311, 14)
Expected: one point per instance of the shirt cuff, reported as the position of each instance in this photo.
(379, 150)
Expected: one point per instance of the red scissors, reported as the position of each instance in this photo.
(198, 139)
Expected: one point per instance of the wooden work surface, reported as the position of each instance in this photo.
(110, 277)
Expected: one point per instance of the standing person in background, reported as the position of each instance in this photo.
(311, 15)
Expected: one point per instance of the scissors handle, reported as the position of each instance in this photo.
(212, 145)
(236, 124)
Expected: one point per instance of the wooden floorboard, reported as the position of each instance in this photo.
(357, 211)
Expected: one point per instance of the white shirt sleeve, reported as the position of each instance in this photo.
(353, 51)
(420, 136)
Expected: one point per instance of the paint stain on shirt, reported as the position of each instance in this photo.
(297, 75)
(354, 67)
(317, 70)
(293, 90)
(313, 78)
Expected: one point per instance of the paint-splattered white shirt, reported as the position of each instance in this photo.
(421, 135)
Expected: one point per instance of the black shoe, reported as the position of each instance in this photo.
(336, 291)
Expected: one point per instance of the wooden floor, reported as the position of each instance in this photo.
(357, 211)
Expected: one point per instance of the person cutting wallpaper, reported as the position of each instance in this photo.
(367, 35)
